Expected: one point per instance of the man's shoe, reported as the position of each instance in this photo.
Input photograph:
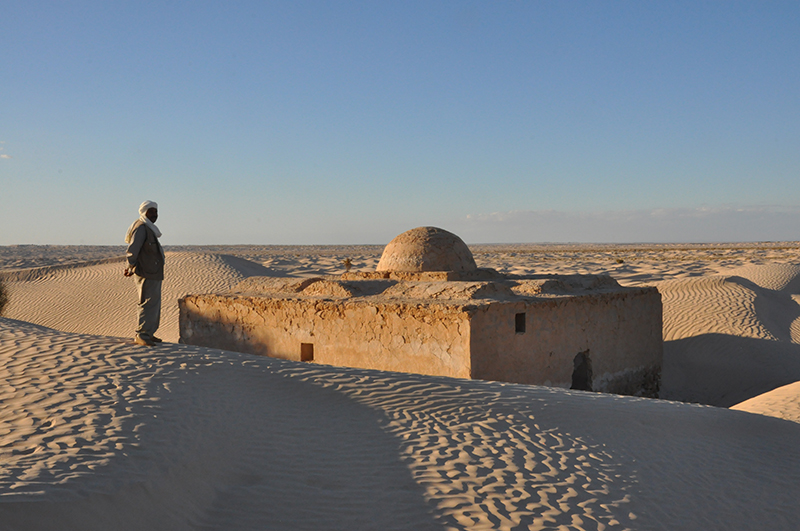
(143, 341)
(156, 339)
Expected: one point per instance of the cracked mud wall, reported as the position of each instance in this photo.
(621, 330)
(394, 336)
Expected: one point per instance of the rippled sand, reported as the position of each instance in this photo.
(96, 433)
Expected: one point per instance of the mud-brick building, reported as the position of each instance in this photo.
(429, 309)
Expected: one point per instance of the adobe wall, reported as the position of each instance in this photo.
(620, 329)
(393, 336)
(465, 329)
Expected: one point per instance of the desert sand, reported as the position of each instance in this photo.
(97, 433)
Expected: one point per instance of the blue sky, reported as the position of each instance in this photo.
(350, 122)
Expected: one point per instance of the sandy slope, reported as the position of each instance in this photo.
(100, 434)
(731, 315)
(731, 337)
(98, 299)
(783, 402)
(96, 433)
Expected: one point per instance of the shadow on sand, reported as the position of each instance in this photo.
(723, 370)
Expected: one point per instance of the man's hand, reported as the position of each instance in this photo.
(127, 272)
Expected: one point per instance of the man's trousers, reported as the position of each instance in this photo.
(149, 306)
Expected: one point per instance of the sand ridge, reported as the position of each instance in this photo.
(181, 437)
(574, 460)
(730, 337)
(731, 321)
(98, 299)
(97, 433)
(471, 445)
(122, 437)
(783, 402)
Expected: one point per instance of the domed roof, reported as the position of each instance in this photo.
(427, 249)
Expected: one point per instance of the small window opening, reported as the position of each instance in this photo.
(582, 372)
(306, 351)
(519, 323)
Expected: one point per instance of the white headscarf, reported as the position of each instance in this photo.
(143, 208)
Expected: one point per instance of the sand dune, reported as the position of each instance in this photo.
(100, 434)
(731, 322)
(731, 337)
(98, 299)
(96, 433)
(783, 402)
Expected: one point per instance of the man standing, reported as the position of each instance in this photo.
(146, 264)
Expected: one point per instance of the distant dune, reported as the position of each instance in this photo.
(98, 299)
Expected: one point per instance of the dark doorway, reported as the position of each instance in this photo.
(582, 372)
